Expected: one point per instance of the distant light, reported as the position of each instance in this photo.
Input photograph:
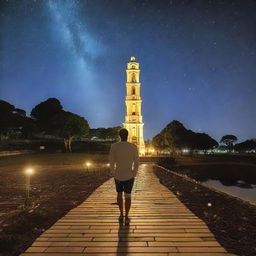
(29, 171)
(185, 150)
(88, 164)
(108, 164)
(209, 204)
(151, 150)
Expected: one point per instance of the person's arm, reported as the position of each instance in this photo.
(135, 161)
(112, 160)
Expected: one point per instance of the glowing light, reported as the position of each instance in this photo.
(209, 204)
(108, 164)
(29, 171)
(185, 150)
(151, 150)
(88, 164)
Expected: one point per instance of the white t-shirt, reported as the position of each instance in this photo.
(124, 160)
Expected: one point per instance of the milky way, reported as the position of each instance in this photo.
(197, 60)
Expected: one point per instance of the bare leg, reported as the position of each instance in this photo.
(127, 205)
(120, 203)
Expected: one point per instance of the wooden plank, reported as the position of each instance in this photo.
(160, 225)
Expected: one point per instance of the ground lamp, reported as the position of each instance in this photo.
(88, 164)
(28, 173)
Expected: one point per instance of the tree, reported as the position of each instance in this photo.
(6, 118)
(52, 119)
(12, 120)
(175, 137)
(28, 127)
(68, 125)
(158, 141)
(229, 140)
(113, 133)
(19, 112)
(171, 137)
(110, 133)
(248, 145)
(6, 107)
(46, 111)
(202, 141)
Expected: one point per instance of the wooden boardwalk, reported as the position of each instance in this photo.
(160, 225)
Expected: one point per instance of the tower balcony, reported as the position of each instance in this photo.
(133, 83)
(133, 98)
(130, 99)
(133, 119)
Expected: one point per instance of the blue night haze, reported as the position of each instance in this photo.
(197, 60)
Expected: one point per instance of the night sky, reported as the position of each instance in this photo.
(197, 60)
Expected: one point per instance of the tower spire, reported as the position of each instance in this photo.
(133, 119)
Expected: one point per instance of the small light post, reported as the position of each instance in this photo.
(88, 164)
(107, 166)
(28, 173)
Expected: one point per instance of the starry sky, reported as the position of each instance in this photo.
(197, 60)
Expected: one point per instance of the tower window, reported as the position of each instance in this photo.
(133, 109)
(133, 90)
(133, 78)
(133, 131)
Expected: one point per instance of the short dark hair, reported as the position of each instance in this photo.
(123, 133)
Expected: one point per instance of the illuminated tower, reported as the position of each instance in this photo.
(133, 119)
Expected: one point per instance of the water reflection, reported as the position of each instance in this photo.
(238, 188)
(236, 183)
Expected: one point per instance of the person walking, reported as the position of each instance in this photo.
(124, 163)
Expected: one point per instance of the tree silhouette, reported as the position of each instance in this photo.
(244, 146)
(52, 119)
(13, 121)
(68, 125)
(175, 137)
(229, 140)
(110, 133)
(45, 112)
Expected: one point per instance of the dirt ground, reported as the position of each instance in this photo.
(59, 183)
(231, 220)
(62, 181)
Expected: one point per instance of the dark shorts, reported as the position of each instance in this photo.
(125, 185)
